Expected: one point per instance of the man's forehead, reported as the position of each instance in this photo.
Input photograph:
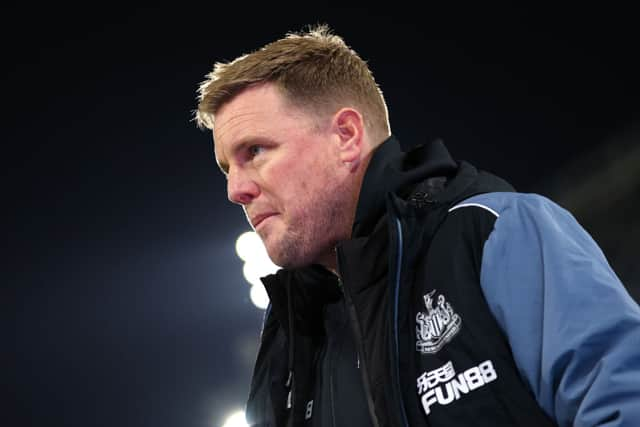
(240, 115)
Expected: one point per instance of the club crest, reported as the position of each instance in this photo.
(437, 326)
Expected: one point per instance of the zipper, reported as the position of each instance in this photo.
(332, 398)
(396, 295)
(291, 381)
(394, 332)
(360, 347)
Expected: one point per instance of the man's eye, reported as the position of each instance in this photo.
(254, 150)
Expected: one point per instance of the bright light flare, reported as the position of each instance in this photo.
(237, 419)
(257, 264)
(249, 246)
(259, 297)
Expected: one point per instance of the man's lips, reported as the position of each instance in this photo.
(256, 220)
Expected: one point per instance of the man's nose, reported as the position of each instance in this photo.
(241, 189)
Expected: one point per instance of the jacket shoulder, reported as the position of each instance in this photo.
(499, 203)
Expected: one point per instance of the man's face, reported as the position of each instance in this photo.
(283, 167)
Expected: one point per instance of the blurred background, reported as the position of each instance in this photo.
(123, 298)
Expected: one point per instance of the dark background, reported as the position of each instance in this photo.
(124, 303)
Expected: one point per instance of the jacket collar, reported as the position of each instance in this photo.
(395, 168)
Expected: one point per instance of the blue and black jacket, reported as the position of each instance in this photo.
(460, 302)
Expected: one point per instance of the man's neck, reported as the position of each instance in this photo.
(330, 262)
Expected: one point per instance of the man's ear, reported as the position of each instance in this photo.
(348, 126)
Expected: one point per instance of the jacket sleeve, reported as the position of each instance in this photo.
(573, 328)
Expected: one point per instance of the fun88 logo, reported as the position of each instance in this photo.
(442, 386)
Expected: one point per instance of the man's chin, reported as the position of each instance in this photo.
(284, 262)
(285, 259)
(294, 260)
(276, 256)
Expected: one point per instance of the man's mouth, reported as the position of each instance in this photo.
(258, 219)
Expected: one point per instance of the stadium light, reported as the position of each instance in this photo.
(236, 419)
(259, 297)
(257, 264)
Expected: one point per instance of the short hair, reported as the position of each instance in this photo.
(315, 70)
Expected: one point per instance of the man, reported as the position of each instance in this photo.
(415, 290)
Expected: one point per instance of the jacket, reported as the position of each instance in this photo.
(466, 303)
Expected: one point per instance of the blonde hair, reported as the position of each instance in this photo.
(315, 70)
